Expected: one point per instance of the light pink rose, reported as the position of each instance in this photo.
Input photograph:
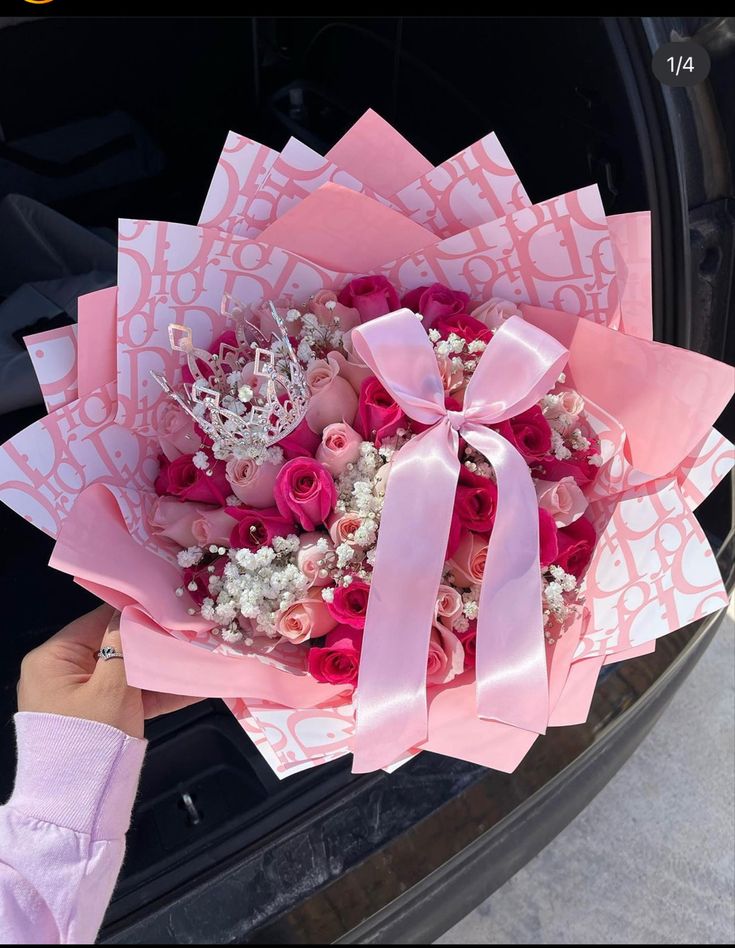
(332, 397)
(172, 519)
(212, 525)
(468, 561)
(446, 657)
(342, 528)
(448, 604)
(563, 499)
(251, 482)
(569, 403)
(495, 312)
(452, 378)
(321, 306)
(312, 561)
(308, 618)
(351, 367)
(340, 446)
(176, 432)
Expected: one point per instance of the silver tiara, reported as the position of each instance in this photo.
(241, 422)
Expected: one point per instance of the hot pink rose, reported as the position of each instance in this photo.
(183, 479)
(313, 561)
(468, 561)
(448, 604)
(547, 538)
(455, 535)
(378, 415)
(476, 501)
(251, 482)
(577, 467)
(308, 618)
(464, 326)
(563, 499)
(435, 301)
(338, 661)
(200, 576)
(256, 528)
(576, 545)
(332, 398)
(349, 605)
(340, 446)
(301, 443)
(176, 431)
(446, 657)
(529, 432)
(468, 638)
(325, 306)
(342, 528)
(371, 296)
(495, 312)
(305, 491)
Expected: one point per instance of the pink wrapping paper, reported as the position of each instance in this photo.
(54, 359)
(563, 254)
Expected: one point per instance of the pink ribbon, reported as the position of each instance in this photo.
(519, 365)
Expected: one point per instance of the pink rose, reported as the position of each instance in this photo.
(340, 446)
(314, 562)
(176, 431)
(338, 661)
(547, 538)
(435, 301)
(371, 296)
(476, 501)
(576, 545)
(448, 604)
(452, 377)
(569, 403)
(342, 528)
(256, 528)
(351, 367)
(379, 416)
(462, 325)
(349, 605)
(252, 483)
(212, 526)
(308, 618)
(468, 561)
(577, 467)
(305, 490)
(446, 657)
(495, 312)
(228, 338)
(301, 443)
(183, 479)
(325, 306)
(468, 638)
(529, 433)
(332, 398)
(200, 576)
(563, 499)
(170, 519)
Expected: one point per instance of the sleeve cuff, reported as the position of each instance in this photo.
(75, 773)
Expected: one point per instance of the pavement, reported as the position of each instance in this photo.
(651, 860)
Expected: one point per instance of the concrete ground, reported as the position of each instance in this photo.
(652, 859)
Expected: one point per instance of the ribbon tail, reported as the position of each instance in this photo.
(412, 542)
(512, 677)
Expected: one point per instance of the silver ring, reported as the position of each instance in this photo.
(107, 652)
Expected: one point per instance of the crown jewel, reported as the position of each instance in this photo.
(244, 413)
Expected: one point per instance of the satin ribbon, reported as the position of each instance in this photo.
(519, 365)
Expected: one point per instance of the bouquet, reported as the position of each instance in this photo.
(376, 452)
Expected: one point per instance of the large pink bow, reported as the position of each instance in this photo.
(519, 365)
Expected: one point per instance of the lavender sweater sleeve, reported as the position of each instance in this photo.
(62, 833)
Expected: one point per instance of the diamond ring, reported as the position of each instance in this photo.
(107, 652)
